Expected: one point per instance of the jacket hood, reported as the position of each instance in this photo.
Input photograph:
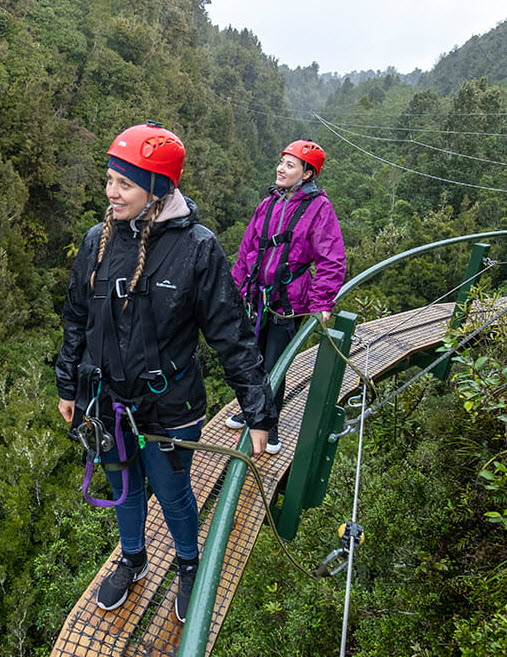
(178, 212)
(307, 189)
(182, 221)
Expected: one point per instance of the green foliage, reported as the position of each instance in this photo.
(483, 636)
(480, 383)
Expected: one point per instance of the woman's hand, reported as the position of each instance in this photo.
(259, 441)
(66, 408)
(326, 314)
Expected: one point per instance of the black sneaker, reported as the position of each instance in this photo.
(235, 421)
(274, 445)
(114, 589)
(187, 573)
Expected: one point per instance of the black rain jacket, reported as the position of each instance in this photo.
(190, 289)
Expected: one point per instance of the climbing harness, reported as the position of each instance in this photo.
(91, 433)
(258, 305)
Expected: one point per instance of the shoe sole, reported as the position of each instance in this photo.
(117, 604)
(176, 611)
(232, 424)
(273, 449)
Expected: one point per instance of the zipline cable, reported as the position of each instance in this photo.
(370, 411)
(311, 113)
(410, 129)
(350, 561)
(399, 166)
(489, 265)
(418, 143)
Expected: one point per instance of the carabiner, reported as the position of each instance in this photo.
(356, 401)
(164, 382)
(323, 570)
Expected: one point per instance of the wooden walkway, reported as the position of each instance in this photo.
(146, 624)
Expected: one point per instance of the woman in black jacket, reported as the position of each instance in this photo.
(143, 284)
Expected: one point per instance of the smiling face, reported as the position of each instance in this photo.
(289, 171)
(125, 197)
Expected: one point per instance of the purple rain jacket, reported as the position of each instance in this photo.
(316, 239)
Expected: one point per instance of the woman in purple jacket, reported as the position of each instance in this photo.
(293, 228)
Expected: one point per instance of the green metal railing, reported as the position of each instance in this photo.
(195, 634)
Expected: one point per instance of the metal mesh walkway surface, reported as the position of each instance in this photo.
(146, 624)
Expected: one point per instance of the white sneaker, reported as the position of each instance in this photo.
(274, 443)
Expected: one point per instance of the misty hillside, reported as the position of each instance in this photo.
(480, 56)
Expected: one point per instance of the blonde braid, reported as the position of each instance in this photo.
(107, 230)
(143, 244)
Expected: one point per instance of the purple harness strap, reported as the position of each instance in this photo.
(119, 409)
(260, 313)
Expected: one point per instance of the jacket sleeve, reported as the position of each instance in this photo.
(249, 243)
(329, 258)
(75, 315)
(222, 319)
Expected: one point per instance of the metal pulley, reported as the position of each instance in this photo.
(93, 435)
(346, 531)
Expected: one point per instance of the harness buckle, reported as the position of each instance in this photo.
(277, 239)
(121, 288)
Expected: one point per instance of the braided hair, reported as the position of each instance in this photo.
(107, 231)
(143, 244)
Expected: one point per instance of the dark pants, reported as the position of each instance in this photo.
(273, 338)
(170, 482)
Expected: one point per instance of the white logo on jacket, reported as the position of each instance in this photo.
(166, 283)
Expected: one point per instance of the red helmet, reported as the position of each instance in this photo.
(308, 151)
(151, 147)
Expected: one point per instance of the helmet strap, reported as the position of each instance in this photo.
(149, 204)
(297, 186)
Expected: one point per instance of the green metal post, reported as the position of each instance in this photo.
(312, 458)
(333, 423)
(472, 276)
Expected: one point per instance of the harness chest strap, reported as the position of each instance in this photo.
(283, 276)
(103, 292)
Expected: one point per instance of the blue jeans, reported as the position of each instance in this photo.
(169, 479)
